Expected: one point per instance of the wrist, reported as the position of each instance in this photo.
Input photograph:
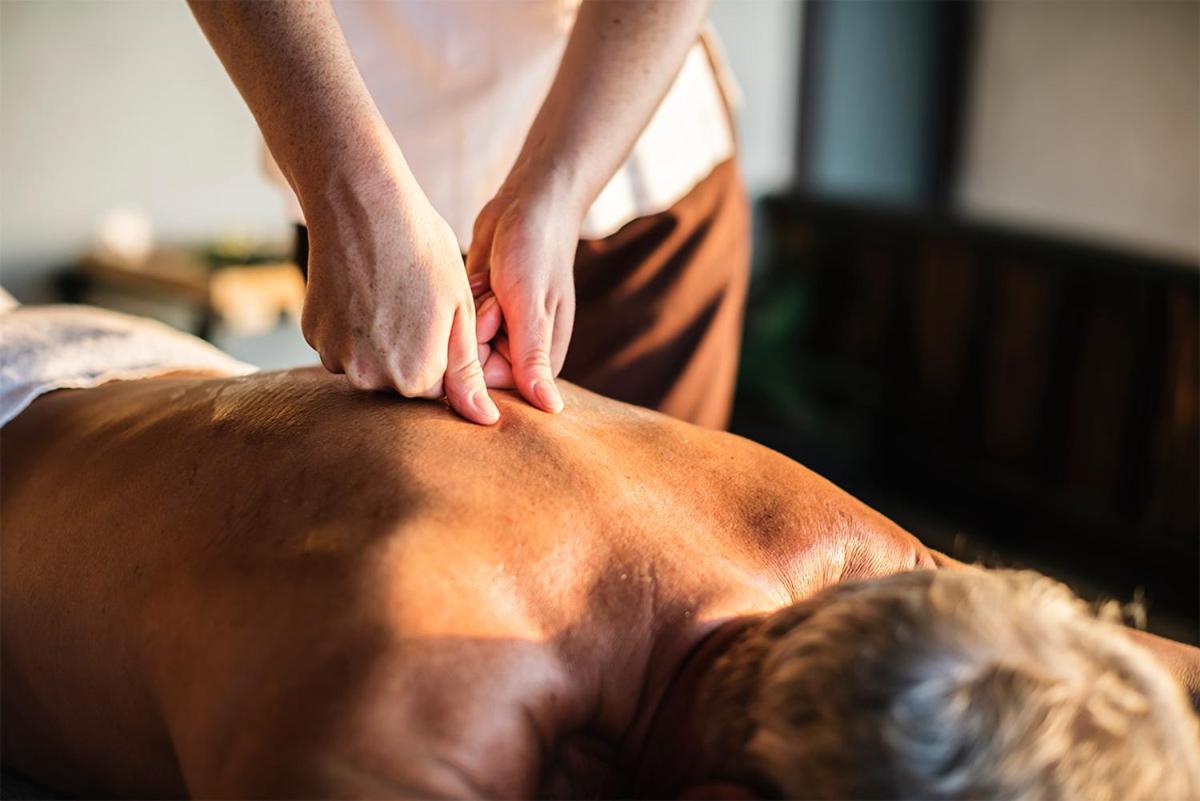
(368, 172)
(551, 184)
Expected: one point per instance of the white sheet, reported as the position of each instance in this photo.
(44, 348)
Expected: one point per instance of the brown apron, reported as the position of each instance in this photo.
(659, 304)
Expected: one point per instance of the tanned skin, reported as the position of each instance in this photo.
(278, 585)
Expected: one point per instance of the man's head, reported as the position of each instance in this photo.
(949, 684)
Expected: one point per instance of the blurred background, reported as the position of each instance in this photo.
(977, 249)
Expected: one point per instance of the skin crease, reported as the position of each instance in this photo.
(277, 585)
(388, 303)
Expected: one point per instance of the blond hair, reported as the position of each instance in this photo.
(950, 684)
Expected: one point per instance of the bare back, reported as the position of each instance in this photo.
(170, 545)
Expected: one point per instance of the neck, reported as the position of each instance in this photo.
(673, 756)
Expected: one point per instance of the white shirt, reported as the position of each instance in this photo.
(459, 84)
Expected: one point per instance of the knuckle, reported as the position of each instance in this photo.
(408, 391)
(470, 373)
(420, 389)
(361, 375)
(535, 361)
(419, 380)
(408, 385)
(405, 381)
(538, 314)
(360, 380)
(330, 363)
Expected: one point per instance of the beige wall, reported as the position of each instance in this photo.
(117, 103)
(762, 42)
(1085, 119)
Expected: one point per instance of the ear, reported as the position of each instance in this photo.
(716, 791)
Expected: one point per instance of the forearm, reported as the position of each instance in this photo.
(620, 61)
(292, 65)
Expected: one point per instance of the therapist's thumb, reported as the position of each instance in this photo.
(463, 382)
(529, 339)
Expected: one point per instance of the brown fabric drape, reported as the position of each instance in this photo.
(659, 305)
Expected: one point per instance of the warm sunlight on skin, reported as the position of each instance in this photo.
(274, 579)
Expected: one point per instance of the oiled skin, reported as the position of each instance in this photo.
(277, 585)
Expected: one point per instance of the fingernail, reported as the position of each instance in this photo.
(485, 406)
(548, 396)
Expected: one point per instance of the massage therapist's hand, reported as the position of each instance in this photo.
(620, 60)
(524, 243)
(388, 301)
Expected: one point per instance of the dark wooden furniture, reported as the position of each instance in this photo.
(1045, 390)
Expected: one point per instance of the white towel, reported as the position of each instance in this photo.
(44, 348)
